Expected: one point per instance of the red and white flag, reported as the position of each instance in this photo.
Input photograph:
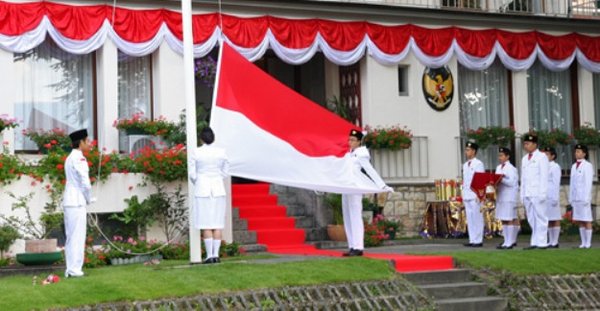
(273, 134)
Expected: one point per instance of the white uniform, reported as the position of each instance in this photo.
(580, 190)
(534, 191)
(208, 167)
(507, 192)
(76, 196)
(352, 203)
(553, 201)
(471, 202)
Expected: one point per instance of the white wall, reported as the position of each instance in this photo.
(383, 106)
(168, 83)
(108, 110)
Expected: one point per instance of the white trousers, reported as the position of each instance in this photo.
(353, 222)
(75, 227)
(537, 216)
(474, 221)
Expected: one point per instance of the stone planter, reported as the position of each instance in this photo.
(39, 252)
(40, 246)
(336, 233)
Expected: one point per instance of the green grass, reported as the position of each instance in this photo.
(177, 278)
(524, 262)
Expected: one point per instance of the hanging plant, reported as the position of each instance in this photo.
(587, 135)
(551, 138)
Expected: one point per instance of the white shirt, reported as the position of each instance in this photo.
(469, 169)
(534, 176)
(208, 167)
(78, 187)
(580, 186)
(554, 181)
(508, 188)
(361, 162)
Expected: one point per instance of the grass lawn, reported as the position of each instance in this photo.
(177, 278)
(550, 261)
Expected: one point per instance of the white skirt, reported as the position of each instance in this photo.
(209, 212)
(582, 211)
(506, 210)
(553, 210)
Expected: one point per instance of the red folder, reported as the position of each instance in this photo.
(481, 180)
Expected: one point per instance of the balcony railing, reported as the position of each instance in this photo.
(558, 8)
(403, 165)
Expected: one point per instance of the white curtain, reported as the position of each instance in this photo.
(54, 90)
(483, 99)
(134, 76)
(550, 105)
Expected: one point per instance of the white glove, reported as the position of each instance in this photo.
(388, 189)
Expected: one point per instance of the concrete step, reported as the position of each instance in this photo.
(305, 222)
(328, 244)
(239, 224)
(315, 234)
(473, 304)
(254, 248)
(244, 237)
(439, 277)
(455, 290)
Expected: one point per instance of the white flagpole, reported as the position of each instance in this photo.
(190, 119)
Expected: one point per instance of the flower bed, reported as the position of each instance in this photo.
(7, 122)
(494, 135)
(138, 124)
(391, 138)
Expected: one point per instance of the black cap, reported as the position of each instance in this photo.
(356, 133)
(531, 138)
(504, 150)
(584, 148)
(472, 145)
(78, 135)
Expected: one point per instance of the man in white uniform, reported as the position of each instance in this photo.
(76, 196)
(506, 201)
(534, 191)
(352, 203)
(554, 215)
(470, 199)
(580, 194)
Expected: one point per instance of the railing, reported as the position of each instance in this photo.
(559, 8)
(400, 165)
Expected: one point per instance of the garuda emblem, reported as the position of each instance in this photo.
(438, 87)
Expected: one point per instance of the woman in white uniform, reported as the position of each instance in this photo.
(580, 194)
(553, 199)
(208, 167)
(506, 202)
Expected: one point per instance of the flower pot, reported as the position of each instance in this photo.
(37, 259)
(336, 233)
(135, 131)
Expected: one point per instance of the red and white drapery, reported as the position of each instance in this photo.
(83, 29)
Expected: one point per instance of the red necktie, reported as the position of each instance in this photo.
(578, 162)
(529, 157)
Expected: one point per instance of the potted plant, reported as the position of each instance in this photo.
(49, 140)
(6, 122)
(493, 135)
(389, 138)
(336, 230)
(39, 249)
(587, 135)
(389, 227)
(551, 138)
(138, 124)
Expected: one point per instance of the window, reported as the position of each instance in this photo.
(135, 89)
(54, 90)
(484, 102)
(551, 105)
(403, 80)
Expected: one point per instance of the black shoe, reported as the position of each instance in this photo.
(477, 245)
(553, 246)
(514, 245)
(468, 245)
(217, 260)
(355, 252)
(530, 247)
(503, 247)
(346, 254)
(209, 261)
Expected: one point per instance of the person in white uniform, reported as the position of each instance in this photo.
(208, 168)
(76, 197)
(553, 200)
(534, 191)
(352, 203)
(580, 194)
(506, 200)
(470, 199)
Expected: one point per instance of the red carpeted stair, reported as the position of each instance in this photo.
(279, 234)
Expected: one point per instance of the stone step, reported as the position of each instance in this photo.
(439, 277)
(455, 290)
(244, 237)
(473, 304)
(305, 222)
(315, 234)
(254, 248)
(328, 244)
(239, 224)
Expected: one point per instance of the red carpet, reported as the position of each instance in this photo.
(279, 234)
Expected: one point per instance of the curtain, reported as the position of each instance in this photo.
(483, 102)
(54, 90)
(134, 92)
(550, 105)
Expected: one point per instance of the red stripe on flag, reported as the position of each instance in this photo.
(277, 109)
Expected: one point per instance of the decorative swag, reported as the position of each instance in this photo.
(83, 29)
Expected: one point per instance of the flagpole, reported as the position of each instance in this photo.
(190, 116)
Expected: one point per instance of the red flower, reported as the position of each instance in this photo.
(60, 167)
(54, 142)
